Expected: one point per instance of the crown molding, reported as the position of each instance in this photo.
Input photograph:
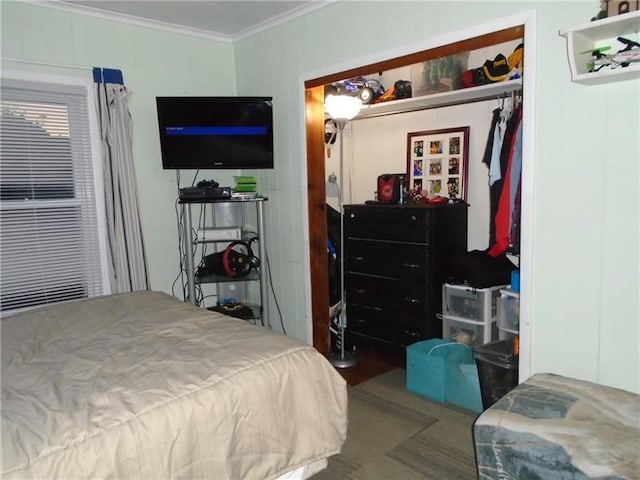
(170, 27)
(280, 19)
(130, 19)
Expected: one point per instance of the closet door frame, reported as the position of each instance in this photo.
(314, 200)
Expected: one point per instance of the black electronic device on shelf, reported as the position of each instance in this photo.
(204, 193)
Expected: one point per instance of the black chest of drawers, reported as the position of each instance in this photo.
(397, 259)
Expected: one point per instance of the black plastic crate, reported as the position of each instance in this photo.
(497, 370)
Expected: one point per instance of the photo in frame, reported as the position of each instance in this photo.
(437, 161)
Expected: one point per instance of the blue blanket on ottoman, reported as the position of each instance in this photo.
(554, 427)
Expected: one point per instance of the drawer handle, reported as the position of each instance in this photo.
(371, 308)
(413, 218)
(359, 290)
(411, 265)
(358, 259)
(411, 300)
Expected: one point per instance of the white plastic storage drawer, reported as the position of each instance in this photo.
(509, 311)
(470, 333)
(467, 303)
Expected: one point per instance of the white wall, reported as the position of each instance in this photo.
(584, 279)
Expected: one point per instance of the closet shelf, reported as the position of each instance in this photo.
(441, 99)
(599, 33)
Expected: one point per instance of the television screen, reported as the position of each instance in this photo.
(216, 132)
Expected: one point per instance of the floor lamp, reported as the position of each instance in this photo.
(342, 108)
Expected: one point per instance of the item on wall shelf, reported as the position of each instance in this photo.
(620, 7)
(516, 62)
(622, 58)
(602, 13)
(437, 163)
(441, 74)
(367, 90)
(401, 89)
(499, 69)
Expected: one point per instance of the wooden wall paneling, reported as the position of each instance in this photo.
(314, 114)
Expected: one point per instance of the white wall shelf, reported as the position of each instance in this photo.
(441, 99)
(599, 33)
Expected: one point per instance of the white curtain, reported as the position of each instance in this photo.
(127, 259)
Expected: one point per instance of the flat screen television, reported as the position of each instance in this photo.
(216, 132)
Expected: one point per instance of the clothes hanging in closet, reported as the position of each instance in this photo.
(488, 151)
(505, 166)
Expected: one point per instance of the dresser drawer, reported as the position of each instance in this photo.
(386, 215)
(387, 293)
(441, 226)
(383, 223)
(408, 262)
(390, 325)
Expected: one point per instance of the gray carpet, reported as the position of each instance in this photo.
(394, 434)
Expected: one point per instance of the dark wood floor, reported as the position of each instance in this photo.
(370, 364)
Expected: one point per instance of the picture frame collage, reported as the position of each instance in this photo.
(437, 162)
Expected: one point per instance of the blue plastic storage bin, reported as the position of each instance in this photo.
(444, 371)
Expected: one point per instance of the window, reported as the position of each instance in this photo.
(50, 235)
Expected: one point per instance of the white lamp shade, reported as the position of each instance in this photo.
(342, 107)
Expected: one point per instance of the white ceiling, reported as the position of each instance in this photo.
(222, 20)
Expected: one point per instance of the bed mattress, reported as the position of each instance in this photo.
(143, 385)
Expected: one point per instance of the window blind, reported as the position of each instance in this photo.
(49, 236)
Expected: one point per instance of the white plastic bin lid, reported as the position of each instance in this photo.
(509, 293)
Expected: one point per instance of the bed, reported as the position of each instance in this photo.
(142, 385)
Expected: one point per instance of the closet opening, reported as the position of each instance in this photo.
(316, 149)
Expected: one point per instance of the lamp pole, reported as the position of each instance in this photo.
(342, 108)
(343, 359)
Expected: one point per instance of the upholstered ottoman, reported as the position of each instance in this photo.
(554, 427)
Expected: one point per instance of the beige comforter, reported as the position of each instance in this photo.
(145, 386)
